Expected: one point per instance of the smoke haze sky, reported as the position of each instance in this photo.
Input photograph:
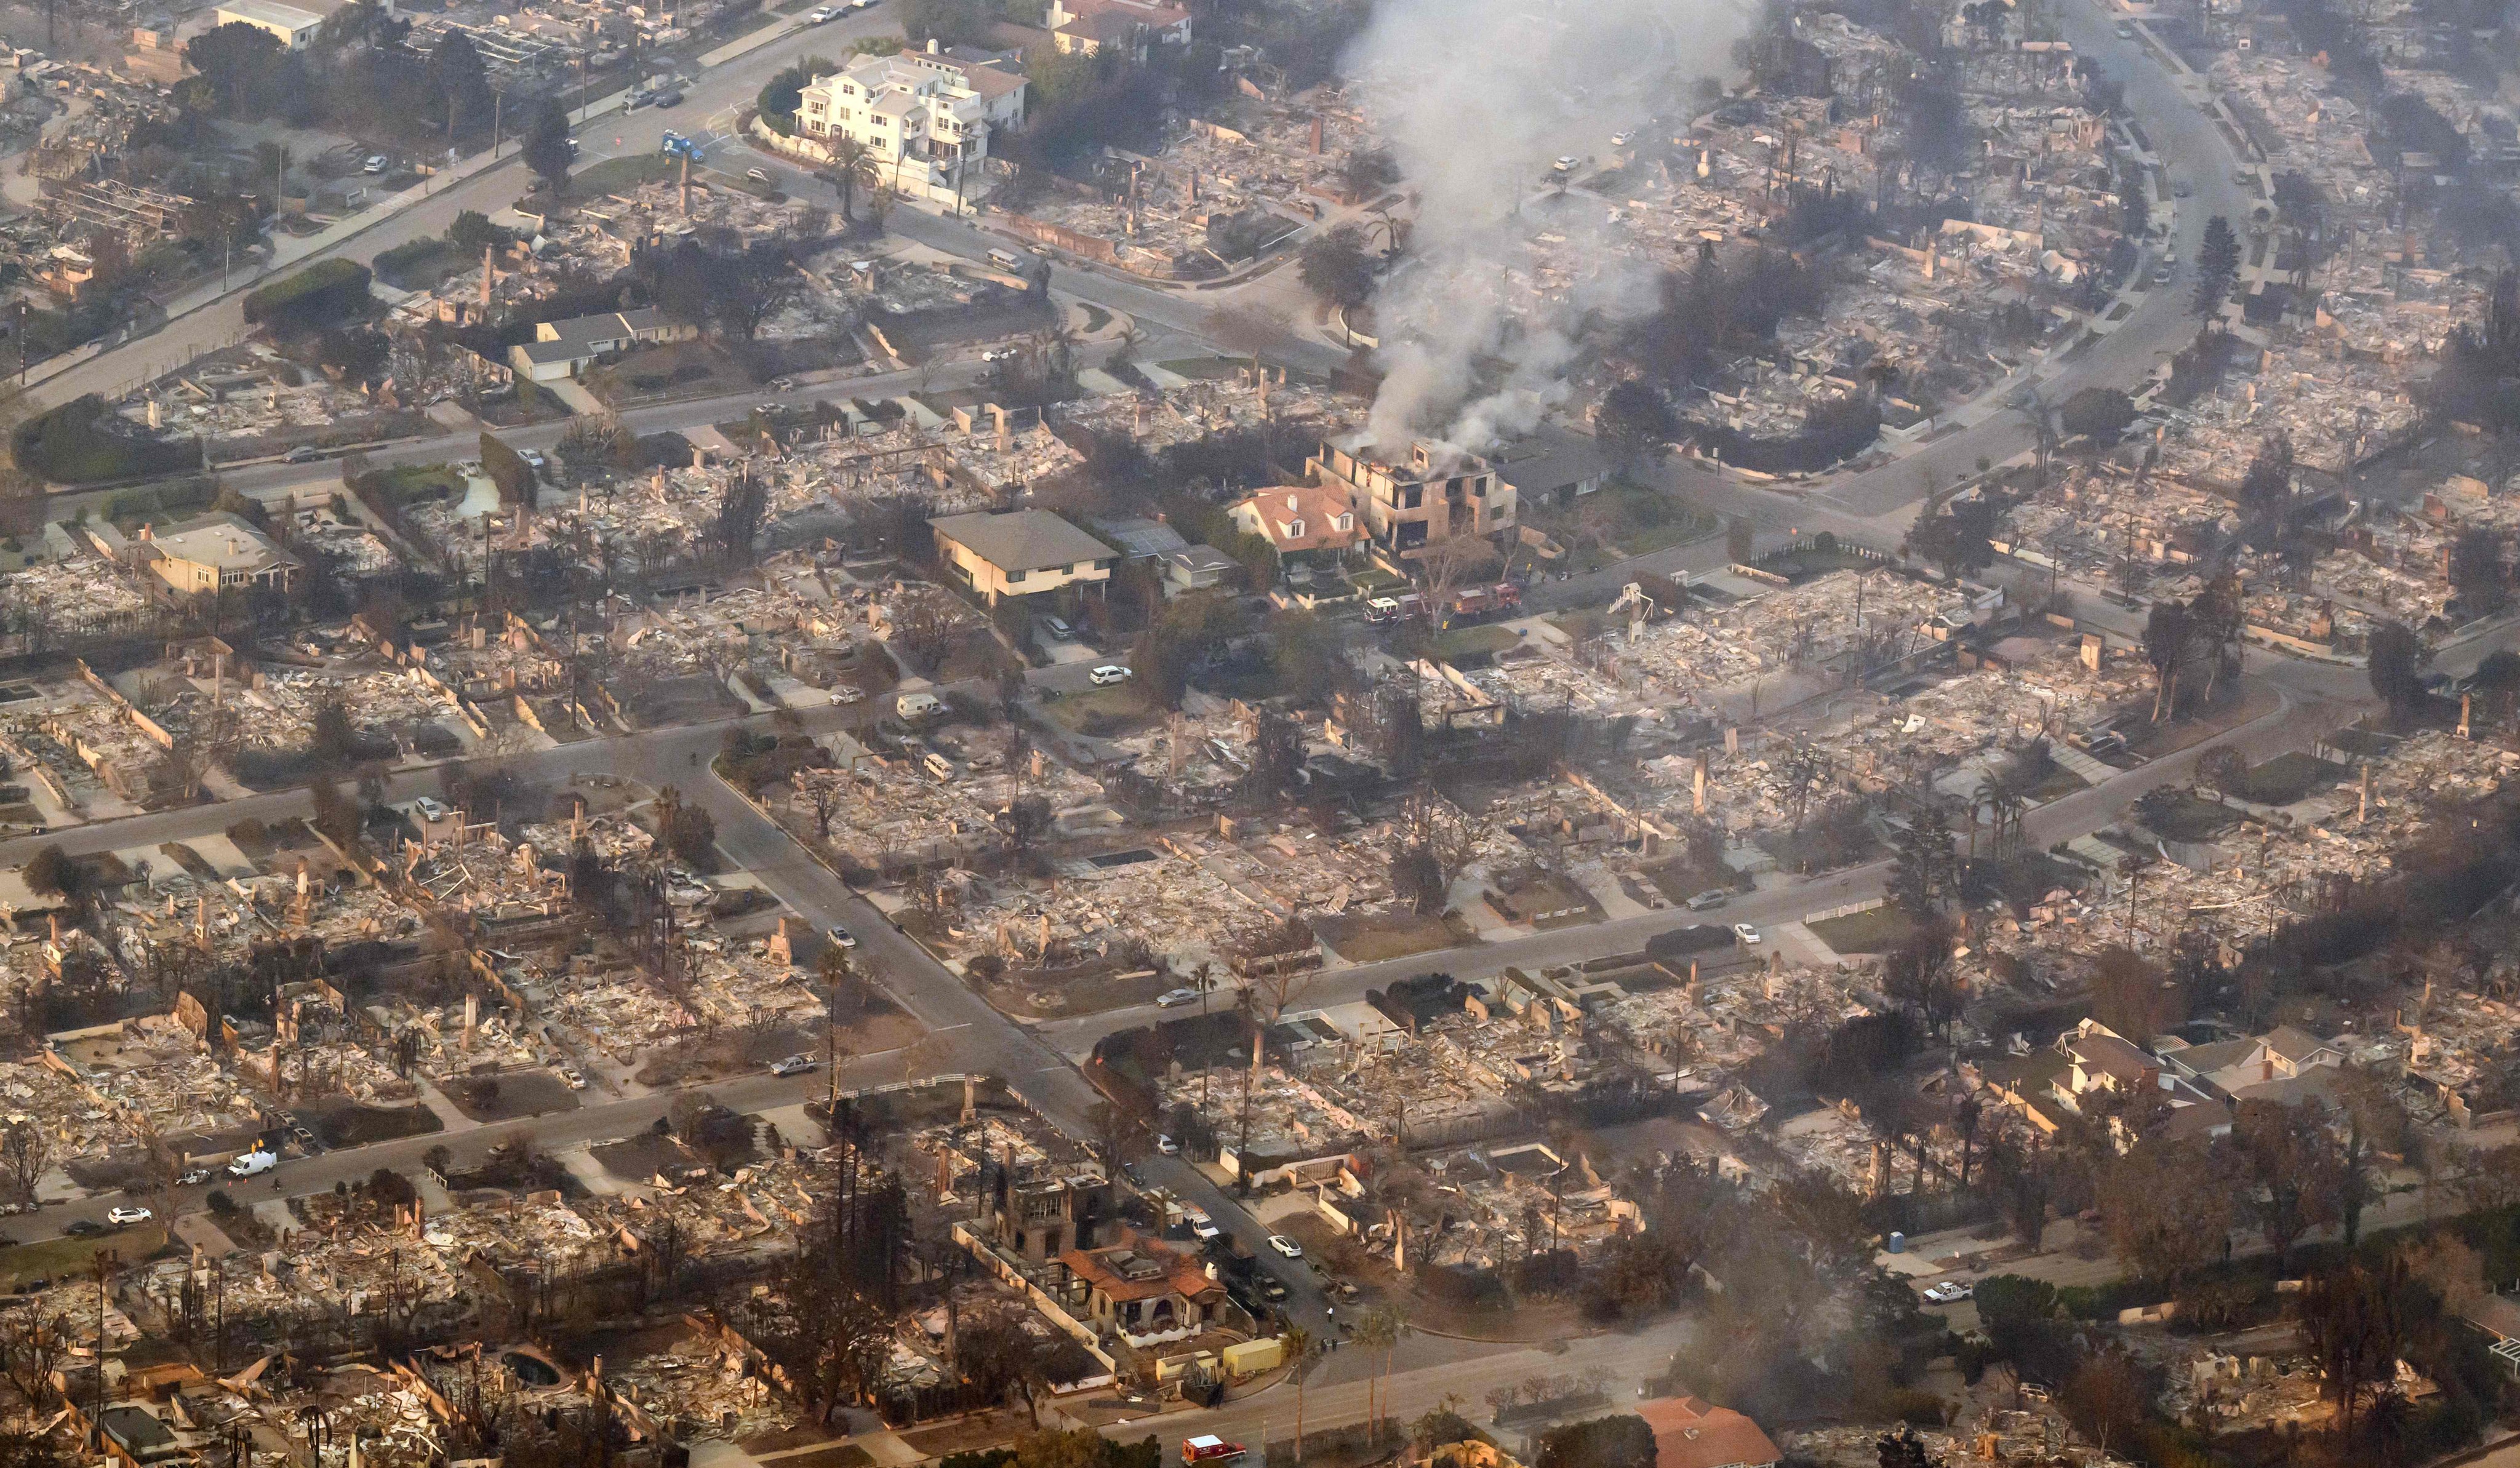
(1475, 99)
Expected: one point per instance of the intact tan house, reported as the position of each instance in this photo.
(1021, 552)
(2098, 1059)
(216, 553)
(2286, 1064)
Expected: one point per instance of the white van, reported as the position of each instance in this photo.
(253, 1164)
(917, 705)
(1006, 259)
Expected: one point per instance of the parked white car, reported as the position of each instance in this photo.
(124, 1217)
(1286, 1246)
(1109, 674)
(1949, 1292)
(1746, 933)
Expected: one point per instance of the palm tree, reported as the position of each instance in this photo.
(2043, 428)
(2003, 806)
(1300, 1348)
(1383, 1329)
(1061, 338)
(1369, 1328)
(1130, 337)
(848, 159)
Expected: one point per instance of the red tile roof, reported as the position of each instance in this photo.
(1693, 1433)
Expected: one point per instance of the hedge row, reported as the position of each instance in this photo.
(324, 291)
(81, 443)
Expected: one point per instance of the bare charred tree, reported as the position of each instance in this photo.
(25, 1153)
(740, 510)
(996, 1354)
(32, 1347)
(1451, 564)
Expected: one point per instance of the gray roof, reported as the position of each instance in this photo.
(1022, 540)
(1195, 558)
(2212, 1056)
(1137, 536)
(607, 326)
(1551, 460)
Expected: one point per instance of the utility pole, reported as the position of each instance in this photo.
(96, 1414)
(498, 104)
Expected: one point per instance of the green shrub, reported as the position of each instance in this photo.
(81, 443)
(321, 294)
(509, 470)
(2013, 1297)
(408, 264)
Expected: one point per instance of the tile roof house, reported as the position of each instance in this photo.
(1693, 1433)
(1141, 1288)
(1300, 518)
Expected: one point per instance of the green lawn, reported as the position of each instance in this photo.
(1103, 713)
(1872, 931)
(1468, 641)
(407, 483)
(2288, 777)
(1633, 519)
(612, 176)
(62, 1258)
(418, 263)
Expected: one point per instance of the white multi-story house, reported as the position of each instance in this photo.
(924, 117)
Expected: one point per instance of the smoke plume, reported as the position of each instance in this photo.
(1476, 98)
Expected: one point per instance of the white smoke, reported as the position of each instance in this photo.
(1476, 98)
